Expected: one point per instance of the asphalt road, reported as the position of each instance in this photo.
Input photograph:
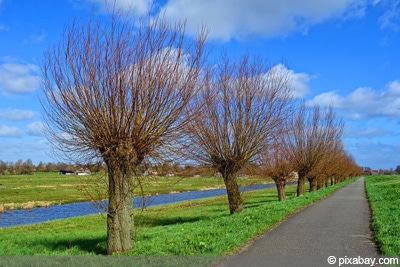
(337, 226)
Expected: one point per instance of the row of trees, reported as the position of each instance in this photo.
(311, 144)
(19, 167)
(124, 93)
(27, 167)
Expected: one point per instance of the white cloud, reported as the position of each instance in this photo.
(228, 19)
(364, 102)
(134, 6)
(6, 131)
(327, 99)
(17, 114)
(369, 132)
(391, 18)
(36, 128)
(299, 81)
(18, 78)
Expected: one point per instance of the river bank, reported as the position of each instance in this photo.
(45, 189)
(40, 214)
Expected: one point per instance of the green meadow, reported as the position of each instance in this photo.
(197, 228)
(384, 198)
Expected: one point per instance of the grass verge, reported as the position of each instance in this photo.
(383, 196)
(197, 228)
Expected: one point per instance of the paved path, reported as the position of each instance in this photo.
(338, 225)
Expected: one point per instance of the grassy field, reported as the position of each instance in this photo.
(45, 189)
(199, 228)
(384, 198)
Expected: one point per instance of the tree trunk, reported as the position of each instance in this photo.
(120, 210)
(280, 186)
(232, 189)
(301, 185)
(313, 184)
(321, 182)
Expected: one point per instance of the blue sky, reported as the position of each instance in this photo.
(340, 52)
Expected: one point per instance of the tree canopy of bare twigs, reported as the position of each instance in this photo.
(314, 135)
(336, 167)
(116, 91)
(239, 109)
(276, 164)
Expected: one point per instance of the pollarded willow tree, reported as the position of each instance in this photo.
(116, 91)
(277, 165)
(331, 159)
(238, 111)
(313, 135)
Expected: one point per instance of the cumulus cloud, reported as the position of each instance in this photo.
(18, 78)
(299, 81)
(364, 102)
(36, 128)
(134, 6)
(6, 131)
(17, 114)
(228, 19)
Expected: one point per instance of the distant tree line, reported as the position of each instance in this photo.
(19, 167)
(27, 167)
(160, 169)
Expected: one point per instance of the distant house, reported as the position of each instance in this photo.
(370, 172)
(65, 172)
(150, 172)
(375, 172)
(83, 172)
(217, 174)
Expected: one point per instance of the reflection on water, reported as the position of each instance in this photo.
(40, 215)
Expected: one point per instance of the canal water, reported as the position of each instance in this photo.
(40, 215)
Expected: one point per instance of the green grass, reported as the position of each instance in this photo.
(39, 189)
(198, 228)
(384, 198)
(45, 189)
